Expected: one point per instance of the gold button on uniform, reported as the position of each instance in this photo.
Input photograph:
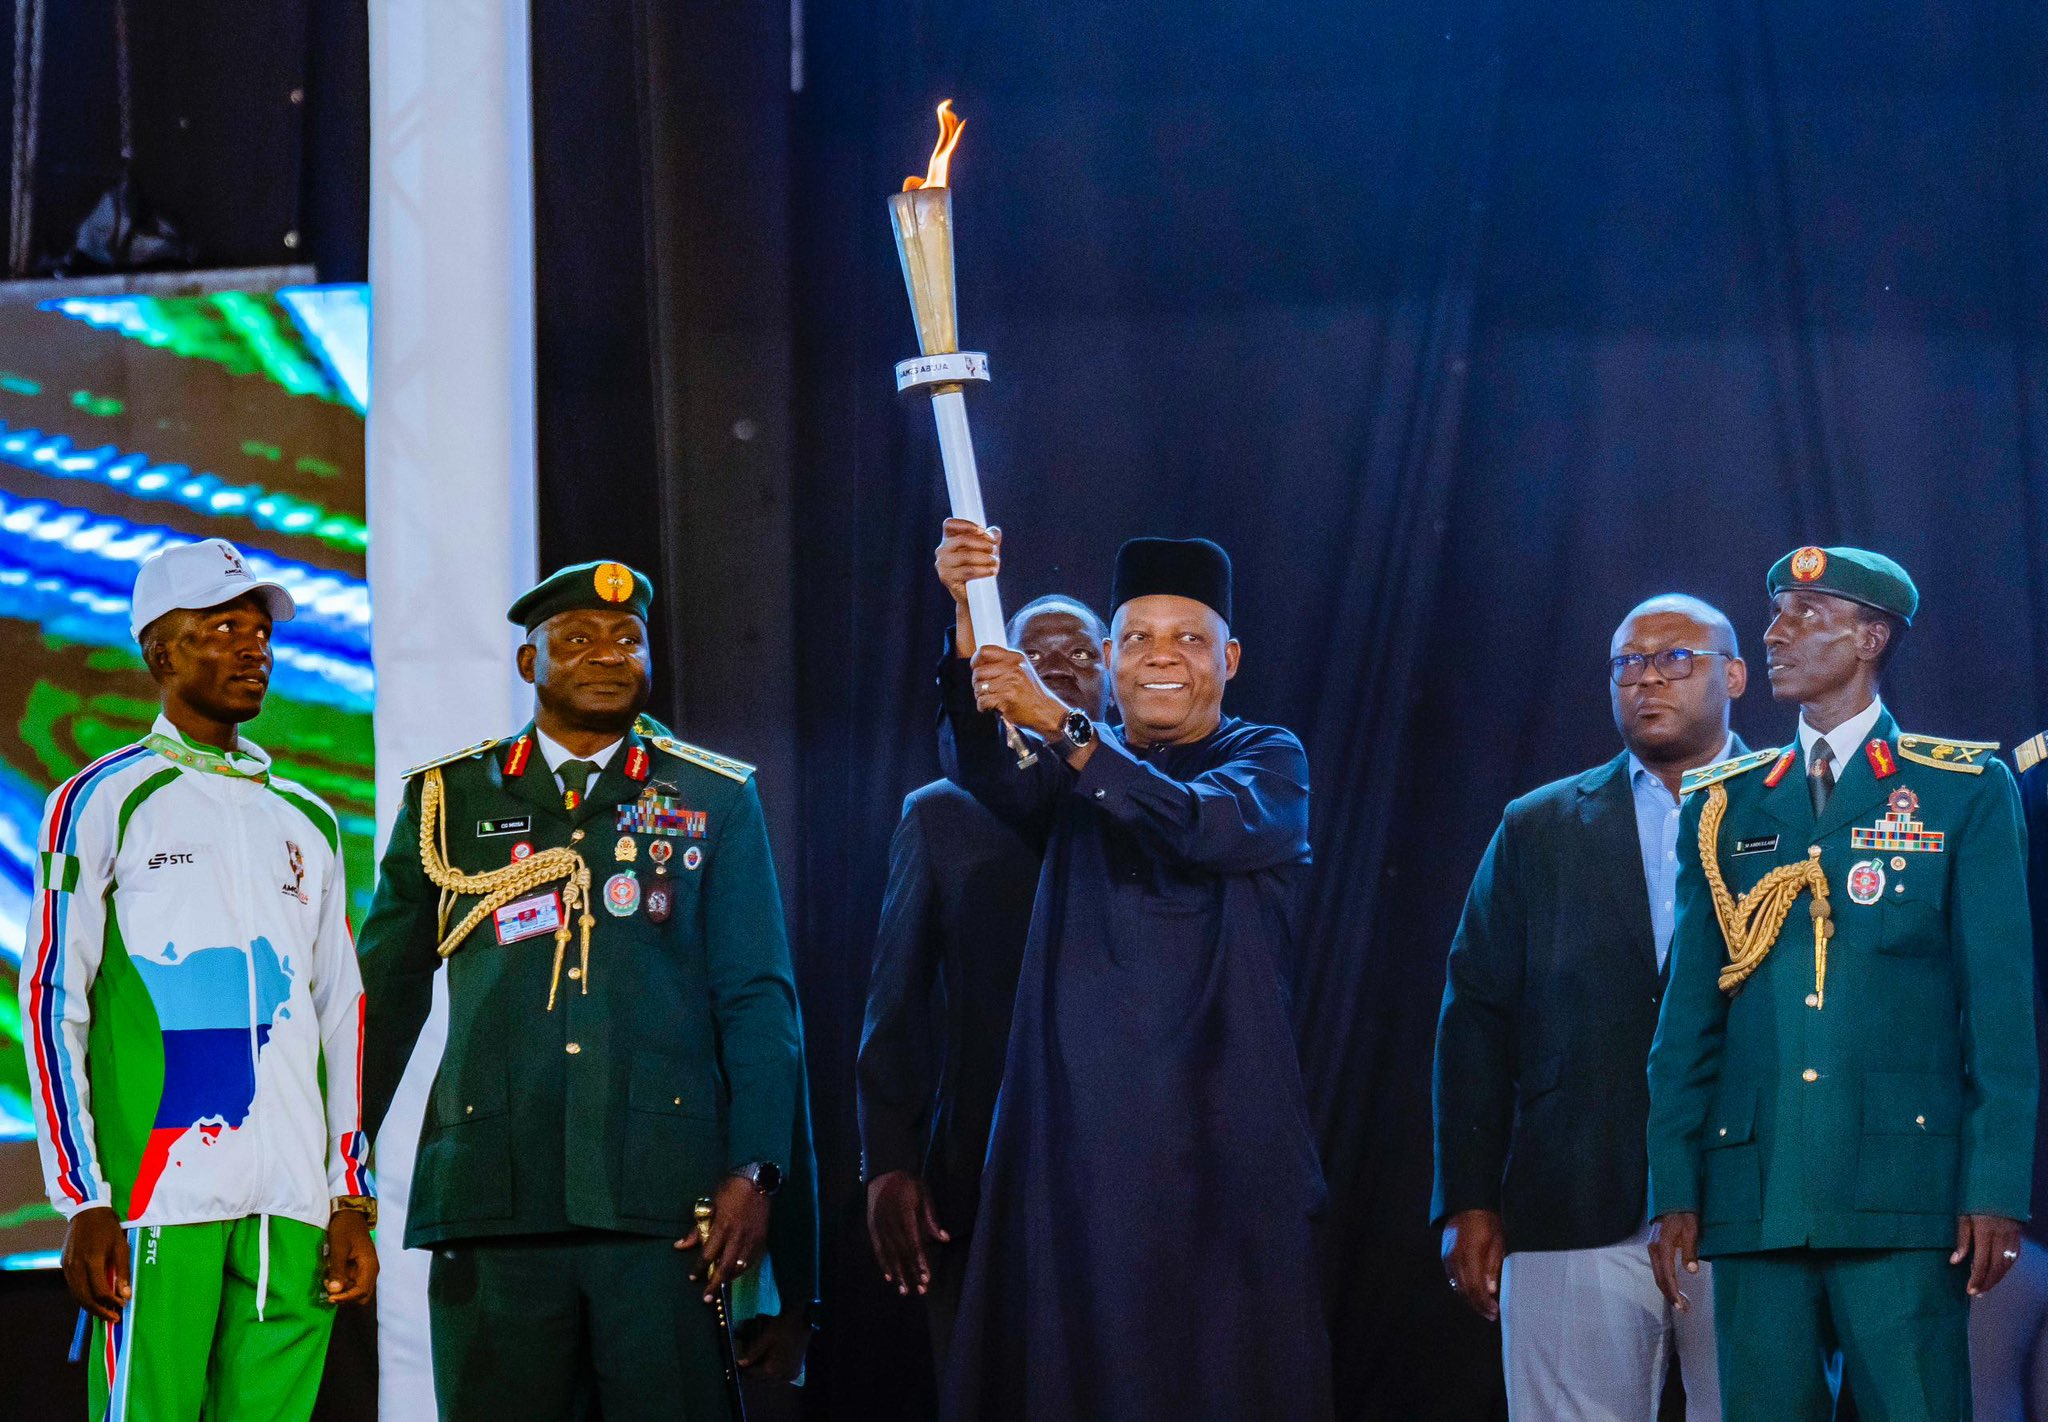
(469, 1110)
(1898, 861)
(575, 835)
(1808, 1075)
(572, 1049)
(575, 973)
(1813, 999)
(1919, 1120)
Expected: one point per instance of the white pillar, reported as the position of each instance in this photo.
(451, 472)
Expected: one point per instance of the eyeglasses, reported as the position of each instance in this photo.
(1673, 664)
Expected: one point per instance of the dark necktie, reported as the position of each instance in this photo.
(576, 776)
(1820, 776)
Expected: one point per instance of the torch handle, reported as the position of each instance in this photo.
(963, 488)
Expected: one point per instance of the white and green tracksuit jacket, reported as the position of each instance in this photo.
(189, 997)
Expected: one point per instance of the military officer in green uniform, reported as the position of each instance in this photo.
(1842, 1083)
(623, 1037)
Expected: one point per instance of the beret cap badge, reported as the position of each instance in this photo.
(1808, 564)
(614, 581)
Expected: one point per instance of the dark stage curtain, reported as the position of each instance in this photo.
(1463, 327)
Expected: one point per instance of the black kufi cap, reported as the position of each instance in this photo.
(1172, 567)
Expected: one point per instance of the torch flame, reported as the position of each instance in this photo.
(950, 125)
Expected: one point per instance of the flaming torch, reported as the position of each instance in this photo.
(923, 218)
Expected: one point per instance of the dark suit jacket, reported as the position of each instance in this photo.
(1549, 1009)
(2034, 800)
(958, 905)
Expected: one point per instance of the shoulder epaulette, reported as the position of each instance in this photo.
(467, 751)
(709, 760)
(1965, 756)
(1724, 770)
(2030, 752)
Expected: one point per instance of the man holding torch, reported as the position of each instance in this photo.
(1144, 1248)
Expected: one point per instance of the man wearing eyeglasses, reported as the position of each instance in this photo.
(1551, 1001)
(1843, 1081)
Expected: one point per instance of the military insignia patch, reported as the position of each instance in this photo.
(478, 749)
(521, 850)
(663, 814)
(637, 762)
(510, 824)
(1879, 753)
(710, 760)
(1761, 844)
(516, 758)
(2030, 752)
(1897, 830)
(1866, 882)
(1778, 771)
(660, 850)
(1809, 563)
(626, 850)
(692, 857)
(660, 898)
(1965, 756)
(614, 581)
(622, 894)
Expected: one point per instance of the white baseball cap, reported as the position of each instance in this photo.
(199, 576)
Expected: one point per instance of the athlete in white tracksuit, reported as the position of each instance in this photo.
(193, 1021)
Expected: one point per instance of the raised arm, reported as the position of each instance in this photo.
(1249, 813)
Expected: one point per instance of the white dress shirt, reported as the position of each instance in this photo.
(554, 753)
(1844, 741)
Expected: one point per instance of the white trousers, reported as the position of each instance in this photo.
(1587, 1337)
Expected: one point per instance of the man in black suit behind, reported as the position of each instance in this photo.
(1551, 1002)
(954, 918)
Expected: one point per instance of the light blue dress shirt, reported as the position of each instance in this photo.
(1657, 835)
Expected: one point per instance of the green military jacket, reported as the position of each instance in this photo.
(675, 1058)
(1868, 1113)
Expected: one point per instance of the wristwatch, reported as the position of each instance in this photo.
(764, 1175)
(364, 1205)
(1076, 731)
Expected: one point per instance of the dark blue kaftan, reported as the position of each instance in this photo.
(1144, 1246)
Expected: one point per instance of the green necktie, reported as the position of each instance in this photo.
(576, 776)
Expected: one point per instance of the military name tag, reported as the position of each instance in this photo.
(511, 824)
(1761, 844)
(529, 918)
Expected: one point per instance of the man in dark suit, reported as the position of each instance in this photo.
(954, 918)
(1550, 1005)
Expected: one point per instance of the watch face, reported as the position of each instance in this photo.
(767, 1177)
(1078, 728)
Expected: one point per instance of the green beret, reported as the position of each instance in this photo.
(602, 587)
(1854, 573)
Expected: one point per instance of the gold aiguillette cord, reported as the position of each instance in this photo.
(501, 886)
(1751, 924)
